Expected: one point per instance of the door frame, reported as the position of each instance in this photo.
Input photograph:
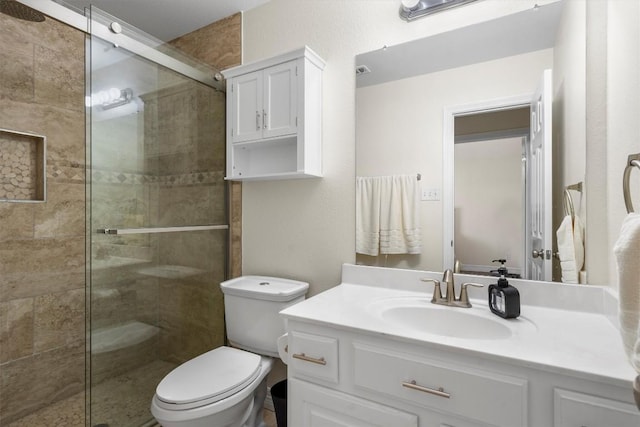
(448, 161)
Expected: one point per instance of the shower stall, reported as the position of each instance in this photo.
(156, 218)
(112, 279)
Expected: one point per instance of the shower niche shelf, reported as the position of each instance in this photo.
(22, 166)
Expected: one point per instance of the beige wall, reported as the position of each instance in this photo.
(623, 112)
(386, 145)
(569, 113)
(42, 249)
(306, 229)
(613, 107)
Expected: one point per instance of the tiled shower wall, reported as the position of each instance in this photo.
(42, 249)
(220, 46)
(42, 256)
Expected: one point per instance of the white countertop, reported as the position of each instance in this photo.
(578, 343)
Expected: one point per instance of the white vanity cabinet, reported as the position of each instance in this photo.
(320, 406)
(353, 380)
(274, 111)
(582, 410)
(343, 377)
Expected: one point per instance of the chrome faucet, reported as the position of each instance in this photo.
(450, 298)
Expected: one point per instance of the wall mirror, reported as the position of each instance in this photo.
(455, 110)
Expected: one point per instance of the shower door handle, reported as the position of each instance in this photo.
(153, 230)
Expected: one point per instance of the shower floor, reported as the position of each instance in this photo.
(121, 401)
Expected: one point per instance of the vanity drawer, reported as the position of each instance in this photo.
(487, 397)
(573, 409)
(313, 356)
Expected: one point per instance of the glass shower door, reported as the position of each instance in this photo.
(158, 233)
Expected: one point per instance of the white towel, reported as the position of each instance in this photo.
(367, 215)
(570, 236)
(399, 218)
(627, 252)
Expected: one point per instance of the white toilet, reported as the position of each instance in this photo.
(226, 387)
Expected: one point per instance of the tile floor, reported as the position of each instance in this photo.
(130, 393)
(270, 418)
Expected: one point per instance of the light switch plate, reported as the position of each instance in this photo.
(430, 194)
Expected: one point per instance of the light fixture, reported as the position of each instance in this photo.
(110, 98)
(412, 9)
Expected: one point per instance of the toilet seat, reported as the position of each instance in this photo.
(208, 378)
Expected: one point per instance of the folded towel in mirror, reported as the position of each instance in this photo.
(570, 237)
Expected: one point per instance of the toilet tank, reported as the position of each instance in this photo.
(251, 307)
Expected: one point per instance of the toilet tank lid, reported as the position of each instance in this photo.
(265, 288)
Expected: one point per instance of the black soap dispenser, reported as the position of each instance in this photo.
(504, 299)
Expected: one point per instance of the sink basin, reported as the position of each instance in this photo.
(420, 315)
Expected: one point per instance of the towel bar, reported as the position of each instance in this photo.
(568, 200)
(632, 160)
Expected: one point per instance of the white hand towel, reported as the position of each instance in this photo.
(399, 217)
(627, 252)
(570, 237)
(367, 215)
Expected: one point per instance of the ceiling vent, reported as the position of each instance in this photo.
(362, 69)
(412, 9)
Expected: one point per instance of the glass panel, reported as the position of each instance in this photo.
(157, 160)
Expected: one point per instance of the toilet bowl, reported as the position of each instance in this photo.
(206, 391)
(226, 387)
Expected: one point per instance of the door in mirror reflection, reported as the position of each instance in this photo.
(490, 184)
(501, 173)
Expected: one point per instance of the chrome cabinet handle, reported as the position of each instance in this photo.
(257, 120)
(438, 392)
(306, 358)
(264, 119)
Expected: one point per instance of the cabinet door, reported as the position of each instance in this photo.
(573, 409)
(246, 114)
(280, 100)
(314, 406)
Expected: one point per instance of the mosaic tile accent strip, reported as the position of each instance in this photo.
(66, 172)
(126, 178)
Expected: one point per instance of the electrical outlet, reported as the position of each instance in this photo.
(430, 194)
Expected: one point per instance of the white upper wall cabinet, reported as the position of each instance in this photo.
(274, 114)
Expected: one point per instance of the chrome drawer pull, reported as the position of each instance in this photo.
(438, 392)
(306, 358)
